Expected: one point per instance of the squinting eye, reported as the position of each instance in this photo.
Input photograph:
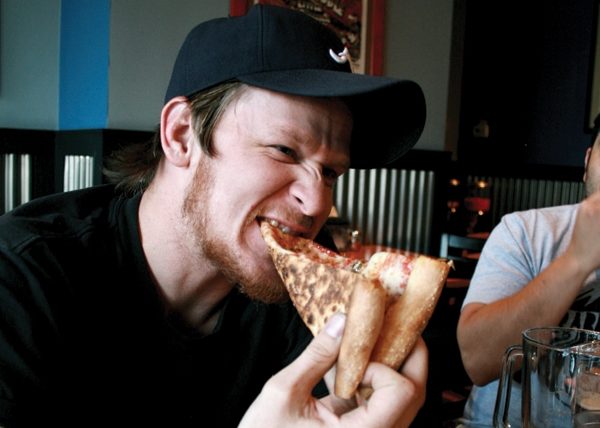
(286, 151)
(330, 174)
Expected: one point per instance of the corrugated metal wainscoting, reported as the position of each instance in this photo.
(15, 176)
(510, 194)
(392, 207)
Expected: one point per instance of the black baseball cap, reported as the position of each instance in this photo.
(287, 51)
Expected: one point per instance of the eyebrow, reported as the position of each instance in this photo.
(285, 133)
(344, 164)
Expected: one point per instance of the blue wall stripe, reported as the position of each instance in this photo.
(84, 61)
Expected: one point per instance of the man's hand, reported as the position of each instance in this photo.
(286, 399)
(585, 245)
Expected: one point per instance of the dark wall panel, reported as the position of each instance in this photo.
(526, 75)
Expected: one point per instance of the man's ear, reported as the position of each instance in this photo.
(588, 154)
(176, 131)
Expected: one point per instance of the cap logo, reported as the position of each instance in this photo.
(341, 57)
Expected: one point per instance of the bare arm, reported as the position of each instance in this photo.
(486, 330)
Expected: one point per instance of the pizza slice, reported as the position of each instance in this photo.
(388, 300)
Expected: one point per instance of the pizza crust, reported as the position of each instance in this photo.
(408, 316)
(363, 323)
(381, 324)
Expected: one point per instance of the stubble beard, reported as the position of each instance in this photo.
(264, 286)
(592, 184)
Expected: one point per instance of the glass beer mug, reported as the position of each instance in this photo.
(550, 361)
(586, 402)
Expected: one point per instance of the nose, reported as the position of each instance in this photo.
(313, 196)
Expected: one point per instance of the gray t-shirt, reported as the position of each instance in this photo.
(518, 249)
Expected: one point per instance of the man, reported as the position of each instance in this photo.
(538, 268)
(158, 304)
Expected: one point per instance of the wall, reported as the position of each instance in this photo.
(417, 47)
(145, 36)
(29, 55)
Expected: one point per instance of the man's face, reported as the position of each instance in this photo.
(277, 158)
(592, 168)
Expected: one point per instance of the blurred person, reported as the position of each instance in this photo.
(153, 301)
(539, 267)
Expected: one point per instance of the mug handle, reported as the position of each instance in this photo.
(505, 386)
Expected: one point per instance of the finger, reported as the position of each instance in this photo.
(395, 400)
(329, 379)
(318, 357)
(398, 396)
(413, 367)
(336, 404)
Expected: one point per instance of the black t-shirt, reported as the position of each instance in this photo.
(86, 339)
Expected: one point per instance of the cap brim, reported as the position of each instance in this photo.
(389, 115)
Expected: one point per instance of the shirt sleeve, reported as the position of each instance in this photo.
(505, 265)
(27, 340)
(521, 246)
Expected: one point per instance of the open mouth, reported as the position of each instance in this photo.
(282, 227)
(303, 247)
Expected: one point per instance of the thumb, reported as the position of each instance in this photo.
(318, 357)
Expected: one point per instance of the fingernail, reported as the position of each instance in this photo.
(335, 325)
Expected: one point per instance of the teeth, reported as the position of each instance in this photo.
(283, 228)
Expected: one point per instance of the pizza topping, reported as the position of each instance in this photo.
(392, 270)
(357, 266)
(307, 248)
